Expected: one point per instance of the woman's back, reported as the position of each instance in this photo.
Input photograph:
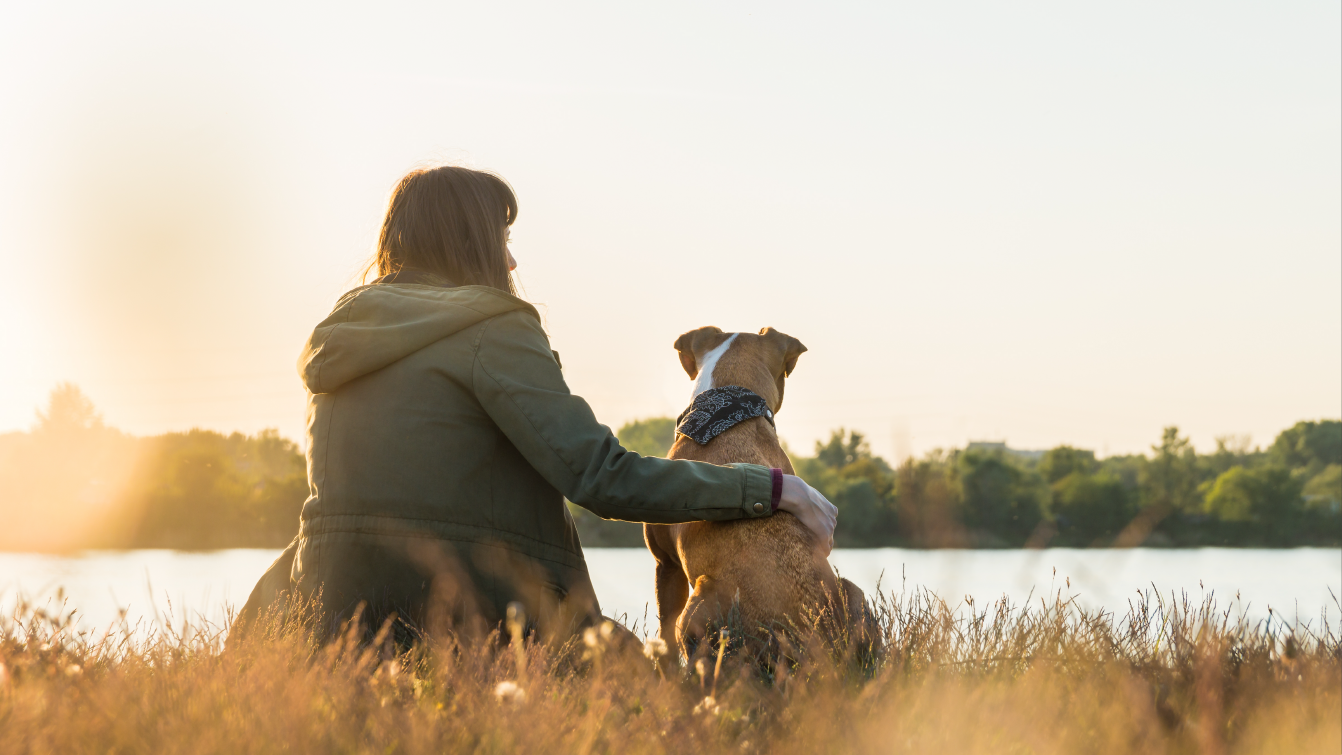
(413, 481)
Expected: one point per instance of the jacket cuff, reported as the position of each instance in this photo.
(777, 477)
(758, 493)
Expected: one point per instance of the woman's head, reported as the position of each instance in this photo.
(452, 222)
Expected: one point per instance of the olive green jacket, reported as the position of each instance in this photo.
(441, 443)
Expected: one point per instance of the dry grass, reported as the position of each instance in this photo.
(1168, 676)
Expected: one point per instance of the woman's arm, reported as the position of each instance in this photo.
(519, 384)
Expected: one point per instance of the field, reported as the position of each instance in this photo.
(1166, 676)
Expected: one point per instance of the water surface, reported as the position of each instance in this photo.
(159, 586)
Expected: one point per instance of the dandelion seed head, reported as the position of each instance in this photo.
(509, 692)
(655, 648)
(708, 707)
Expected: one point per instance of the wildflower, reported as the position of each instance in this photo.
(74, 669)
(509, 692)
(708, 707)
(607, 629)
(655, 648)
(4, 674)
(589, 636)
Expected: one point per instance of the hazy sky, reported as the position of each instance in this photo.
(1045, 223)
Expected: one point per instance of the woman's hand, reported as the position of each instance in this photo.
(807, 504)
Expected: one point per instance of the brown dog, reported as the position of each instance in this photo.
(771, 564)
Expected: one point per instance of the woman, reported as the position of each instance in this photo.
(442, 440)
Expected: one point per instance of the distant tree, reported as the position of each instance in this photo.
(927, 499)
(859, 484)
(999, 499)
(1323, 505)
(1170, 479)
(1268, 497)
(59, 483)
(1128, 469)
(1231, 451)
(842, 449)
(1091, 509)
(1324, 490)
(1062, 461)
(68, 410)
(202, 489)
(1311, 445)
(648, 437)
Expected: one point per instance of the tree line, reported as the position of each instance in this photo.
(1287, 495)
(988, 496)
(72, 482)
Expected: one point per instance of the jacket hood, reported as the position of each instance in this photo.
(373, 326)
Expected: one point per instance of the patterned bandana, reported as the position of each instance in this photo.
(717, 410)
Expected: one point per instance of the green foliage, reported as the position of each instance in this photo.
(648, 437)
(927, 499)
(1309, 445)
(1231, 451)
(1268, 498)
(1091, 508)
(1002, 503)
(839, 452)
(73, 482)
(991, 497)
(1324, 491)
(1170, 481)
(860, 485)
(1065, 460)
(201, 489)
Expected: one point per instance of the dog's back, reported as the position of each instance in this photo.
(771, 566)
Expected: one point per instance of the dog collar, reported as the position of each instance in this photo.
(717, 410)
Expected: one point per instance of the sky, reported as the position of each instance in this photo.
(1043, 223)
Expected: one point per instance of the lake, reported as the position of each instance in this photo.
(150, 584)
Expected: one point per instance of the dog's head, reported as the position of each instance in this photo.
(759, 362)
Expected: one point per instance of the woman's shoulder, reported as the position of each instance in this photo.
(488, 298)
(485, 300)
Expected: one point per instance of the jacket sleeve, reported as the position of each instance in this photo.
(519, 383)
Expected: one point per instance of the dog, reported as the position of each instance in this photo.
(772, 565)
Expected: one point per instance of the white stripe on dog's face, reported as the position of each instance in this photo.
(708, 364)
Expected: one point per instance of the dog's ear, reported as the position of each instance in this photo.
(791, 348)
(687, 343)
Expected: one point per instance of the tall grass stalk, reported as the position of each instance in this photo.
(1171, 675)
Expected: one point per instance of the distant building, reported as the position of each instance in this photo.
(989, 446)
